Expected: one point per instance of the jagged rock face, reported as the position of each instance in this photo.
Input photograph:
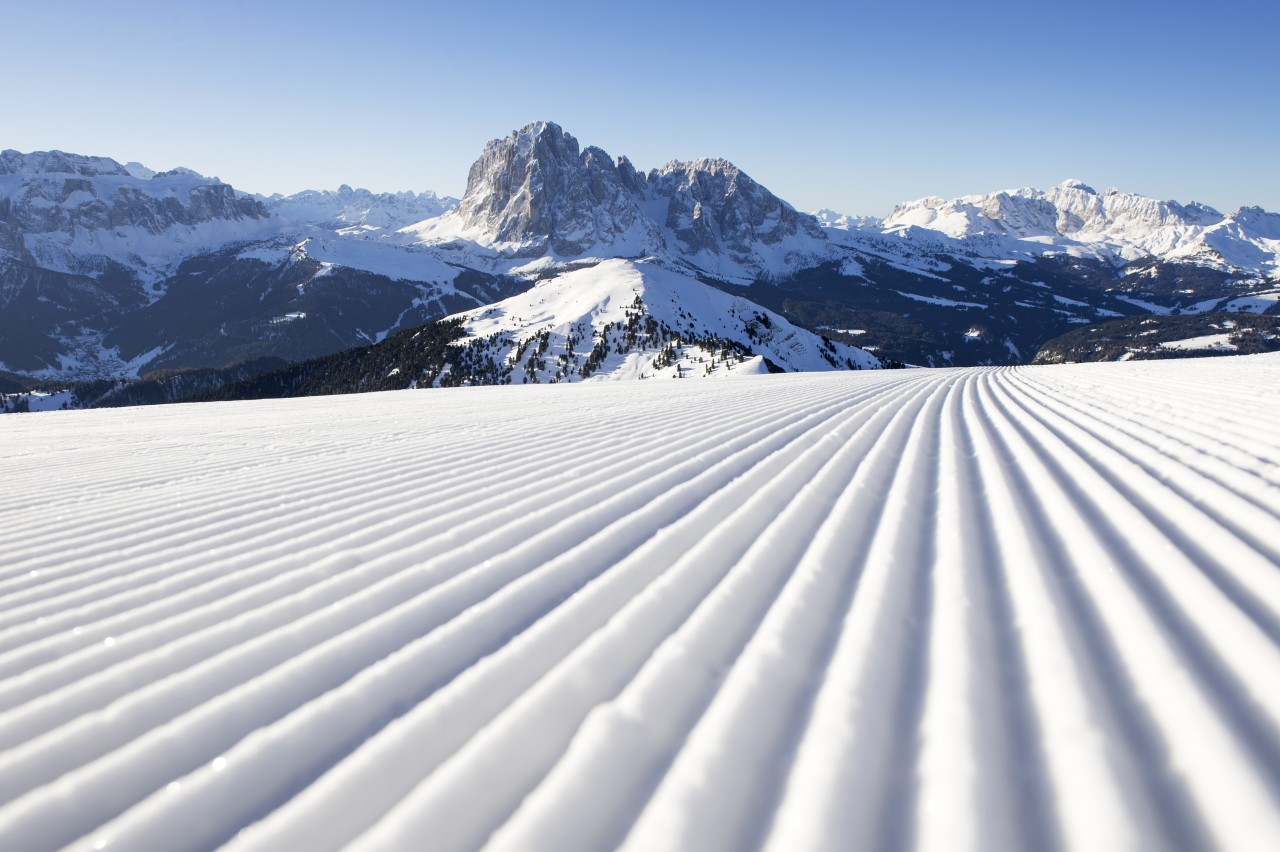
(1069, 209)
(1020, 215)
(1116, 225)
(537, 189)
(68, 213)
(1081, 209)
(714, 206)
(58, 162)
(53, 191)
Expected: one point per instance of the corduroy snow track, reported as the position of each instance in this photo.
(986, 609)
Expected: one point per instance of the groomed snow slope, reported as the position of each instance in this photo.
(1026, 608)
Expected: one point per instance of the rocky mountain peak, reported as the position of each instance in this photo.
(1077, 184)
(523, 167)
(536, 189)
(1258, 223)
(58, 163)
(715, 207)
(139, 171)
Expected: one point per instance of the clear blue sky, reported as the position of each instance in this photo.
(849, 105)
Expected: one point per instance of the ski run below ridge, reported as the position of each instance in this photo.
(1006, 608)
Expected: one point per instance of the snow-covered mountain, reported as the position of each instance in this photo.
(832, 220)
(77, 214)
(1076, 219)
(624, 319)
(593, 321)
(110, 269)
(727, 224)
(536, 194)
(85, 215)
(357, 212)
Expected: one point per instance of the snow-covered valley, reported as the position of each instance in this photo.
(996, 608)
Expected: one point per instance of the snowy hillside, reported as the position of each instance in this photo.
(596, 318)
(389, 260)
(764, 613)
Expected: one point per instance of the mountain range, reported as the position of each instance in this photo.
(555, 250)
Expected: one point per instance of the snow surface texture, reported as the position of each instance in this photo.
(1018, 608)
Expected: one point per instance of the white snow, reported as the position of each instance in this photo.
(984, 609)
(581, 302)
(1256, 303)
(397, 262)
(1151, 307)
(1216, 342)
(938, 300)
(357, 212)
(39, 400)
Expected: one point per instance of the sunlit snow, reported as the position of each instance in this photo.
(983, 609)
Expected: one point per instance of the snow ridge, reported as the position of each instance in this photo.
(1074, 217)
(699, 615)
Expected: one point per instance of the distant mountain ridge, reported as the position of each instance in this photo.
(1074, 218)
(82, 215)
(358, 212)
(110, 270)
